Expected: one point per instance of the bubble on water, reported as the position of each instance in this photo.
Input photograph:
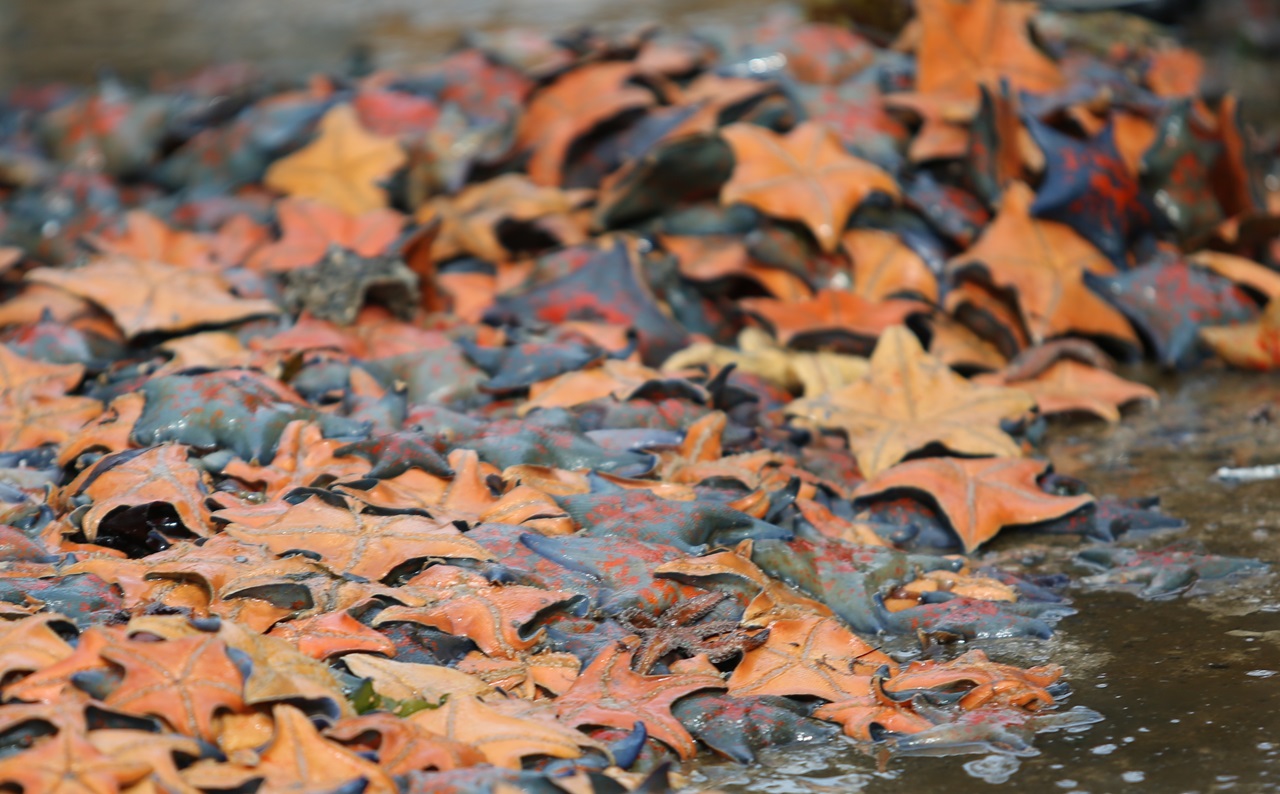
(1068, 783)
(1134, 777)
(1261, 673)
(996, 768)
(1104, 749)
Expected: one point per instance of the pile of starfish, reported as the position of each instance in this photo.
(556, 413)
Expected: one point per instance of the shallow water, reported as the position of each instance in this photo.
(1190, 687)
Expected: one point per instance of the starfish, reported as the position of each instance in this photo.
(1170, 301)
(610, 512)
(678, 629)
(1159, 573)
(338, 286)
(1088, 187)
